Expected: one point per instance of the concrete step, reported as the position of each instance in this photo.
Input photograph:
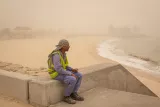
(103, 97)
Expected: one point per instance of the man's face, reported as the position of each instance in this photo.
(66, 48)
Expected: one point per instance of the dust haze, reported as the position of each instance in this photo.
(81, 16)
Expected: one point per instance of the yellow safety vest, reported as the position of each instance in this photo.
(53, 73)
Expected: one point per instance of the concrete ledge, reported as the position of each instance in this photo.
(44, 92)
(116, 77)
(14, 85)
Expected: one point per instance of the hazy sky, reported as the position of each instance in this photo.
(81, 15)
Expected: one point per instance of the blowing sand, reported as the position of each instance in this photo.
(29, 56)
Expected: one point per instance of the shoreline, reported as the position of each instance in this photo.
(108, 50)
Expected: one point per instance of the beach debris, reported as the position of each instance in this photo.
(4, 64)
(21, 69)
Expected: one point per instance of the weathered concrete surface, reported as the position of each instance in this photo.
(102, 97)
(15, 85)
(115, 76)
(121, 79)
(44, 91)
(95, 75)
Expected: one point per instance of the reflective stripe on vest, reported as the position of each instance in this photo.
(51, 69)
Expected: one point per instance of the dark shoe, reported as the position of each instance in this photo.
(69, 100)
(75, 96)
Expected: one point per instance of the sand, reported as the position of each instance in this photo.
(29, 56)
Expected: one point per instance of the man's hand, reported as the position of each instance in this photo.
(75, 70)
(74, 76)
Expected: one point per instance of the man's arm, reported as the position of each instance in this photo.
(69, 68)
(58, 67)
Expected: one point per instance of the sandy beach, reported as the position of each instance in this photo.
(29, 56)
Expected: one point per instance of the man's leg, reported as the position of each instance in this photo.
(79, 79)
(70, 82)
(75, 95)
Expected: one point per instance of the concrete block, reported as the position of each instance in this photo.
(99, 74)
(87, 83)
(15, 85)
(95, 76)
(45, 93)
(117, 80)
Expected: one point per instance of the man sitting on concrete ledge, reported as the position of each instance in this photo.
(59, 70)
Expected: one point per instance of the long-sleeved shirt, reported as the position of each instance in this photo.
(58, 67)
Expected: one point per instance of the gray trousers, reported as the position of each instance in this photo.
(72, 84)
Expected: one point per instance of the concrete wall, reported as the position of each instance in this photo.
(118, 78)
(14, 85)
(43, 91)
(114, 76)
